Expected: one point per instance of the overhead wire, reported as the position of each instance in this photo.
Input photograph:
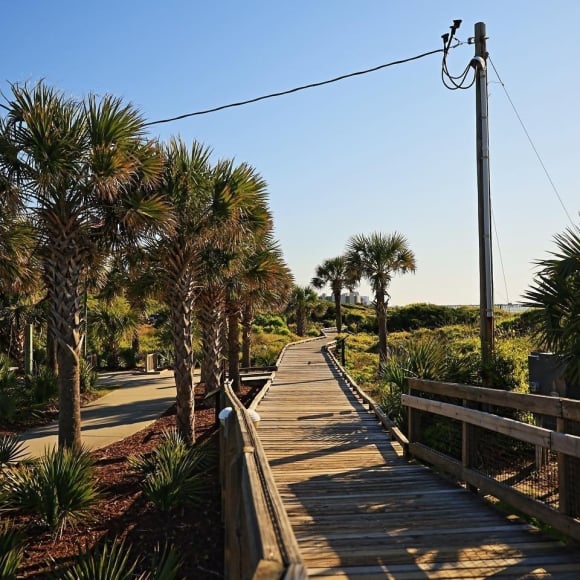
(554, 188)
(302, 87)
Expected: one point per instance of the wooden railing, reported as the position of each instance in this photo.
(532, 465)
(259, 542)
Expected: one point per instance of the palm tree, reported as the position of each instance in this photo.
(377, 257)
(111, 322)
(336, 274)
(555, 296)
(261, 280)
(249, 220)
(270, 287)
(303, 302)
(85, 175)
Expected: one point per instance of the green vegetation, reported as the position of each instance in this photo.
(447, 353)
(11, 551)
(58, 488)
(174, 473)
(555, 299)
(113, 561)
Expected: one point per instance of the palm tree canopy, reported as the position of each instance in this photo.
(555, 296)
(377, 257)
(336, 273)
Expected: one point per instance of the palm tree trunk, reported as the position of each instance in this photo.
(211, 314)
(247, 321)
(63, 268)
(300, 322)
(381, 310)
(181, 327)
(234, 346)
(338, 311)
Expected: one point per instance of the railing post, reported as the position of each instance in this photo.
(568, 473)
(468, 445)
(414, 420)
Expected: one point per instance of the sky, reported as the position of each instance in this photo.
(389, 151)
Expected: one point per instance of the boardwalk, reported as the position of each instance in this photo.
(359, 510)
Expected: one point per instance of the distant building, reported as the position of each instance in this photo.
(350, 298)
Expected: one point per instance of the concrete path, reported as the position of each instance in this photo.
(139, 400)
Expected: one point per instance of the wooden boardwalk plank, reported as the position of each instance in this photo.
(359, 510)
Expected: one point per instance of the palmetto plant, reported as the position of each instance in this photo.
(336, 273)
(377, 257)
(174, 473)
(59, 487)
(85, 176)
(302, 302)
(555, 297)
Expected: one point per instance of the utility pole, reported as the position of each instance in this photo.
(479, 62)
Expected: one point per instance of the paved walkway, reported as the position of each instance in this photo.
(139, 400)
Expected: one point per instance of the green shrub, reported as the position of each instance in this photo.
(174, 473)
(11, 551)
(42, 385)
(8, 406)
(313, 332)
(11, 450)
(59, 487)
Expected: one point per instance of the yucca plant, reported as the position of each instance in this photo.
(11, 450)
(113, 561)
(11, 549)
(59, 487)
(174, 473)
(108, 562)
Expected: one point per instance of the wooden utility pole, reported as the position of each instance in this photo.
(484, 203)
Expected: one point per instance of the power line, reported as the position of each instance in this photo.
(301, 88)
(531, 142)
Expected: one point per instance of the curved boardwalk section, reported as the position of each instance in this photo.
(359, 510)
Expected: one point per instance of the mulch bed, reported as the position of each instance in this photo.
(123, 513)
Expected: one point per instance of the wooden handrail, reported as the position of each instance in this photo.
(367, 399)
(565, 444)
(259, 541)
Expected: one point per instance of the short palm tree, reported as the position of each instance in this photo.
(86, 176)
(377, 257)
(263, 280)
(302, 303)
(272, 283)
(336, 274)
(111, 323)
(555, 297)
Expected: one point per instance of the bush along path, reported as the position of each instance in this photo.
(145, 504)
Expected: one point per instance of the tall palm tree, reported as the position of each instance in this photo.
(336, 274)
(555, 297)
(238, 237)
(377, 257)
(303, 302)
(85, 175)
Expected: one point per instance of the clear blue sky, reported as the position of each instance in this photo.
(393, 150)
